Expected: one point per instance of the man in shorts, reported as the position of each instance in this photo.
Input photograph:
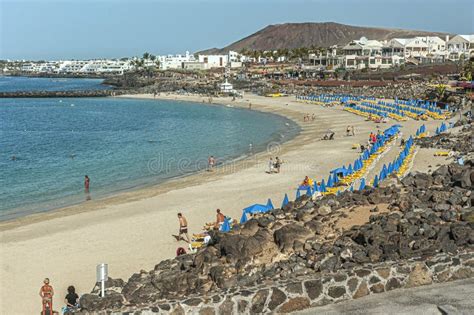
(183, 227)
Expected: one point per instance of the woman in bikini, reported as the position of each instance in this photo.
(46, 293)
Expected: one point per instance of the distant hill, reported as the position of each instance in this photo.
(293, 35)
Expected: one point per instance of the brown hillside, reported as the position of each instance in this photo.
(293, 35)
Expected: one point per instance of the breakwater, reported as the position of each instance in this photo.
(42, 94)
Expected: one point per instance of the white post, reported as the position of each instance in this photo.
(102, 288)
(102, 274)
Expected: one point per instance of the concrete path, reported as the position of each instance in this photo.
(449, 298)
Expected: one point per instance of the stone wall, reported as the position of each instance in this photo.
(316, 290)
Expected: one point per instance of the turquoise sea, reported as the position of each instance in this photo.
(16, 84)
(47, 145)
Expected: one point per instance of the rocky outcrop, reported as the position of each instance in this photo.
(460, 142)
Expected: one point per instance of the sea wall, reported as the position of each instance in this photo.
(297, 294)
(36, 94)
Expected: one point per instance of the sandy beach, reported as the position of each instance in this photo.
(133, 230)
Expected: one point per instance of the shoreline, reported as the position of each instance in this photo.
(155, 189)
(148, 190)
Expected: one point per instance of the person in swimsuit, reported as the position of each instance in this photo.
(86, 183)
(183, 227)
(219, 218)
(46, 293)
(211, 161)
(277, 164)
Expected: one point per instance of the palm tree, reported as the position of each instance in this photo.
(146, 55)
(138, 63)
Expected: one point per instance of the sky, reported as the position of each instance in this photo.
(82, 29)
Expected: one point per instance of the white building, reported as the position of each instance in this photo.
(175, 61)
(365, 53)
(436, 46)
(232, 59)
(409, 47)
(460, 46)
(214, 61)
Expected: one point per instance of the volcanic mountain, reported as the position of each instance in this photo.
(294, 35)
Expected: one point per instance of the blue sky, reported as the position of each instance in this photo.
(39, 29)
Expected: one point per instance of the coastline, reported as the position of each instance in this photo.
(153, 189)
(133, 230)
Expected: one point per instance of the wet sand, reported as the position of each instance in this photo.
(133, 230)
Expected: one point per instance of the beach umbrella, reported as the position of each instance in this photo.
(385, 169)
(352, 188)
(437, 131)
(243, 219)
(285, 201)
(382, 175)
(362, 184)
(322, 187)
(390, 168)
(225, 227)
(356, 165)
(376, 181)
(308, 191)
(297, 193)
(315, 186)
(336, 178)
(330, 182)
(270, 204)
(349, 169)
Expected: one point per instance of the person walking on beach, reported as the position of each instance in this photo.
(270, 166)
(183, 227)
(348, 131)
(353, 130)
(46, 293)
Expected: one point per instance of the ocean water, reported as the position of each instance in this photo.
(47, 145)
(16, 84)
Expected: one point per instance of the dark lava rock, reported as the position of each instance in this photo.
(336, 292)
(314, 288)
